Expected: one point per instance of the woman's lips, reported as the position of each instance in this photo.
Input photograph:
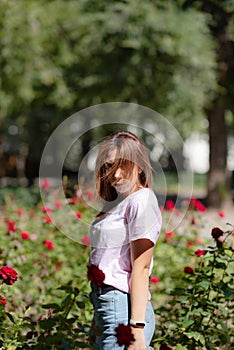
(122, 185)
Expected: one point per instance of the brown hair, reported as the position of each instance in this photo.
(129, 152)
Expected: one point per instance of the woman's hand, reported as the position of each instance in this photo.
(139, 343)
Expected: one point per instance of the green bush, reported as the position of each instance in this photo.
(199, 313)
(47, 307)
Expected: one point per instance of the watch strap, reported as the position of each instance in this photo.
(137, 324)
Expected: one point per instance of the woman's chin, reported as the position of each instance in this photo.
(123, 188)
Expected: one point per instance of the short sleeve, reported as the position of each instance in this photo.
(143, 216)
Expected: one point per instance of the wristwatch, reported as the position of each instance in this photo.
(137, 324)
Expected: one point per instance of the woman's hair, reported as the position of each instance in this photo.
(129, 152)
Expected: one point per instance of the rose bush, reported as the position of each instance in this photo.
(46, 305)
(199, 314)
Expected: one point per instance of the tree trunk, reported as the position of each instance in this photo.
(218, 178)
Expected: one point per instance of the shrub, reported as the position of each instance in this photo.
(45, 304)
(199, 313)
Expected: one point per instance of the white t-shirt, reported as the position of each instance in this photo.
(137, 216)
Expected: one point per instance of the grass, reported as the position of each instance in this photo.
(183, 184)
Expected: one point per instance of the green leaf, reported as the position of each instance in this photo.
(227, 290)
(76, 291)
(187, 323)
(10, 317)
(223, 309)
(220, 265)
(224, 327)
(51, 306)
(181, 347)
(197, 336)
(81, 345)
(54, 339)
(66, 301)
(204, 284)
(80, 304)
(66, 288)
(48, 323)
(199, 311)
(183, 298)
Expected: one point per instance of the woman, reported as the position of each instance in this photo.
(123, 236)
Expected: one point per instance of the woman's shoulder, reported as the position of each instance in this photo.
(142, 197)
(143, 208)
(144, 192)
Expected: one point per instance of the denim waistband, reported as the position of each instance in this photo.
(102, 289)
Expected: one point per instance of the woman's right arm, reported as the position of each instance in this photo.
(141, 255)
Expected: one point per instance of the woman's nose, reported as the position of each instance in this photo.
(118, 173)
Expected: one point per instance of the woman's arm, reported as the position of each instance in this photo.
(141, 255)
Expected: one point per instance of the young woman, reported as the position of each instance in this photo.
(123, 236)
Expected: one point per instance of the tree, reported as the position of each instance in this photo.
(70, 55)
(220, 17)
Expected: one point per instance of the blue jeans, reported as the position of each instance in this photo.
(112, 307)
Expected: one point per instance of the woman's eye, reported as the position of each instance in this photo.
(108, 165)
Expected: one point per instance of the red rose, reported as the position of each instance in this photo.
(11, 227)
(85, 240)
(221, 214)
(169, 234)
(74, 200)
(46, 209)
(200, 252)
(58, 265)
(164, 346)
(95, 275)
(154, 279)
(189, 270)
(78, 215)
(189, 244)
(8, 275)
(2, 300)
(45, 184)
(89, 195)
(49, 244)
(197, 205)
(58, 204)
(47, 220)
(25, 235)
(170, 205)
(200, 207)
(19, 211)
(216, 233)
(124, 335)
(198, 240)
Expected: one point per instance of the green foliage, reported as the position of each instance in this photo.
(41, 269)
(48, 306)
(200, 311)
(70, 55)
(25, 198)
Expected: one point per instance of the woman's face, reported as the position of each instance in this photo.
(123, 179)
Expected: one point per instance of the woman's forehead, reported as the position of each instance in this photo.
(111, 156)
